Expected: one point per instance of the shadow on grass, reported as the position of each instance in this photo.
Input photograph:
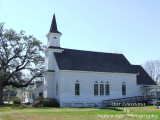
(14, 106)
(6, 105)
(45, 107)
(111, 108)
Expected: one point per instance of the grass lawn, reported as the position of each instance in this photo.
(7, 112)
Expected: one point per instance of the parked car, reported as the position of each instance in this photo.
(151, 101)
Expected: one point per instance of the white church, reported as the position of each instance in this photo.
(79, 78)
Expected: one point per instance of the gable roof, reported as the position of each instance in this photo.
(81, 60)
(71, 59)
(143, 78)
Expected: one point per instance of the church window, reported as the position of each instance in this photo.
(96, 88)
(101, 88)
(107, 88)
(123, 88)
(40, 94)
(56, 88)
(77, 88)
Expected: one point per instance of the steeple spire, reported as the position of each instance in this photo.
(53, 28)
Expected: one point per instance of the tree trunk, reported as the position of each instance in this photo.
(1, 94)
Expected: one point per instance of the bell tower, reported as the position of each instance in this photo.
(53, 35)
(51, 67)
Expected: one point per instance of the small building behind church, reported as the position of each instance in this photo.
(30, 93)
(79, 78)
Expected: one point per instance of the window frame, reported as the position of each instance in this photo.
(77, 88)
(107, 88)
(124, 88)
(101, 88)
(96, 88)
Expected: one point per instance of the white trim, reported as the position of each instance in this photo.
(47, 72)
(96, 72)
(55, 34)
(54, 50)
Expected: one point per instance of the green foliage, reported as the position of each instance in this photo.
(16, 101)
(45, 102)
(19, 53)
(10, 88)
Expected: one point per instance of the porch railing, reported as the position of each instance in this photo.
(136, 99)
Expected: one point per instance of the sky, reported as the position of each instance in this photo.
(130, 27)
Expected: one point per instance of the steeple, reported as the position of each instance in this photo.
(53, 28)
(53, 35)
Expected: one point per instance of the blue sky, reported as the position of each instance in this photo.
(131, 27)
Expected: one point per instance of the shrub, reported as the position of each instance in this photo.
(16, 101)
(45, 102)
(36, 103)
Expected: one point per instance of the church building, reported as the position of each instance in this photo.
(79, 78)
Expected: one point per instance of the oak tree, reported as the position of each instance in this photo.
(21, 59)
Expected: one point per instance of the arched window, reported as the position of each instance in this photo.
(77, 88)
(96, 88)
(107, 88)
(123, 88)
(101, 88)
